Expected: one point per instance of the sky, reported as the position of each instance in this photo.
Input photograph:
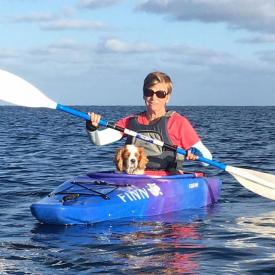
(98, 52)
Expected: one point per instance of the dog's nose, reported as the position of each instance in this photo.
(133, 160)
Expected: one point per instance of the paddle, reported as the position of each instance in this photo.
(15, 90)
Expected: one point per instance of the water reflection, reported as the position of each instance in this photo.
(254, 233)
(263, 225)
(171, 247)
(169, 243)
(7, 267)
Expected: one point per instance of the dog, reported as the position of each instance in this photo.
(131, 160)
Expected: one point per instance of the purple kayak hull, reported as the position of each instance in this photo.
(102, 196)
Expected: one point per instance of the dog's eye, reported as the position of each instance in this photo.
(126, 155)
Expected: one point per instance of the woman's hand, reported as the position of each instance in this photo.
(95, 118)
(190, 156)
(193, 154)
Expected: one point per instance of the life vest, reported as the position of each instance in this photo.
(159, 157)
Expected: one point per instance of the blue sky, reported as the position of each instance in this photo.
(97, 52)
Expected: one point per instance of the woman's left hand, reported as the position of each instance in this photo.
(193, 154)
(190, 155)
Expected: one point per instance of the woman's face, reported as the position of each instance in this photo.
(154, 103)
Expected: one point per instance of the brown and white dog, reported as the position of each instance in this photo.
(131, 160)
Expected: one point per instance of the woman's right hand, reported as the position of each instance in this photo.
(95, 118)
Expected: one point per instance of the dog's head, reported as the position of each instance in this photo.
(131, 159)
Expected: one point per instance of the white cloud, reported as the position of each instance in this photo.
(34, 17)
(8, 54)
(52, 22)
(267, 56)
(74, 24)
(258, 39)
(66, 44)
(95, 4)
(252, 15)
(71, 56)
(198, 56)
(196, 59)
(117, 46)
(65, 50)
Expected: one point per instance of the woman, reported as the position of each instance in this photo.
(156, 122)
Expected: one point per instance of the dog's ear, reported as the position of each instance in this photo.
(142, 160)
(118, 159)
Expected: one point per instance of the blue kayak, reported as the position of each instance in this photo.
(103, 196)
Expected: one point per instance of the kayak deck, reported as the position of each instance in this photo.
(102, 196)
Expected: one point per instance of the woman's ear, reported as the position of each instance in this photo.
(168, 98)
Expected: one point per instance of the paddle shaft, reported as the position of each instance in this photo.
(128, 132)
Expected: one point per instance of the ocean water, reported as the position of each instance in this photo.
(42, 148)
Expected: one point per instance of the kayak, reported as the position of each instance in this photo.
(103, 196)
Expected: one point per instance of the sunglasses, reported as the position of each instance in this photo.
(159, 94)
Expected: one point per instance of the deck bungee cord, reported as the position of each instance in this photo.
(91, 192)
